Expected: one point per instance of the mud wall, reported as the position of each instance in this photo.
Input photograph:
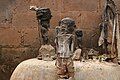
(19, 38)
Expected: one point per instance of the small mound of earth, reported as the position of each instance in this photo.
(95, 70)
(34, 69)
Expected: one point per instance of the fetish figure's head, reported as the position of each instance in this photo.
(68, 24)
(79, 33)
(43, 13)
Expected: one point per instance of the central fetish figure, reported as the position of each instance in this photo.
(65, 47)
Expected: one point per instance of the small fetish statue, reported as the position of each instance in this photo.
(79, 35)
(43, 17)
(78, 52)
(64, 48)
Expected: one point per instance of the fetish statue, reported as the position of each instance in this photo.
(65, 47)
(46, 51)
(43, 16)
(79, 35)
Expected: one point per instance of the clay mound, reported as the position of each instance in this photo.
(96, 71)
(34, 69)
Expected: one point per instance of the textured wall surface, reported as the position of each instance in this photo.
(19, 38)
